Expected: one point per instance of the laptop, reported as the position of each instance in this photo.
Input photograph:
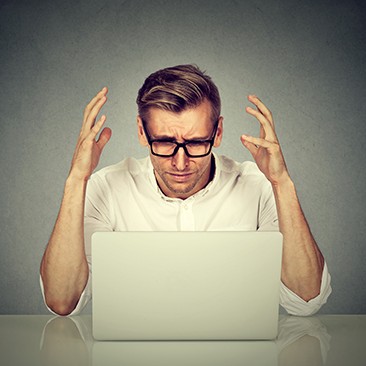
(186, 285)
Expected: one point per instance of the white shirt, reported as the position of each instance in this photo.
(126, 197)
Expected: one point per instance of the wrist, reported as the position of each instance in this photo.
(285, 184)
(74, 180)
(75, 176)
(74, 191)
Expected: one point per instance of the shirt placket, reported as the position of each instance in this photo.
(187, 222)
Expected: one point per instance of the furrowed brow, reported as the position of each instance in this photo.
(164, 137)
(197, 139)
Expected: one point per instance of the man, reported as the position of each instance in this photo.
(182, 185)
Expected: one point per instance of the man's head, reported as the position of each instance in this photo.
(176, 89)
(180, 105)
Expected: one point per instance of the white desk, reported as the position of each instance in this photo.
(45, 340)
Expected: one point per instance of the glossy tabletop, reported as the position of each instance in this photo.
(46, 340)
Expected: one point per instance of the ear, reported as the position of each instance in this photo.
(141, 132)
(219, 132)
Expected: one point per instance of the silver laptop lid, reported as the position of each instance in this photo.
(186, 285)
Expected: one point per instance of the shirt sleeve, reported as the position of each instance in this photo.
(295, 305)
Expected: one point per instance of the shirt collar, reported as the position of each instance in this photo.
(200, 193)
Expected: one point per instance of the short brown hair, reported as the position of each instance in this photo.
(178, 88)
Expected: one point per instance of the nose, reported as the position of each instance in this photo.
(180, 160)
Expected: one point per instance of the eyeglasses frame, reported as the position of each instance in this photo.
(181, 144)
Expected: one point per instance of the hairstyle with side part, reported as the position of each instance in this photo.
(176, 89)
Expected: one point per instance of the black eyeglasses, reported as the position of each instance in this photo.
(168, 147)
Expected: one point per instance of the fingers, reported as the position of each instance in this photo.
(264, 116)
(90, 118)
(256, 142)
(97, 127)
(91, 111)
(92, 103)
(250, 146)
(261, 107)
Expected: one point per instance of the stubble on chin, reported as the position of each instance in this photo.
(174, 189)
(181, 188)
(177, 189)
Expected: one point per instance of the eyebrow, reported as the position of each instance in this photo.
(172, 138)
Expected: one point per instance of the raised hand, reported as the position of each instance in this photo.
(64, 267)
(266, 149)
(88, 148)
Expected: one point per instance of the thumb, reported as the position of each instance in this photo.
(249, 145)
(104, 137)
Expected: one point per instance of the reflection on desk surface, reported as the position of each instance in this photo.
(319, 340)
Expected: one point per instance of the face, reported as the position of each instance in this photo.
(180, 176)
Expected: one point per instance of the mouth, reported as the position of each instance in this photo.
(181, 177)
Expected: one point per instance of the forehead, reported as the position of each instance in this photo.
(192, 122)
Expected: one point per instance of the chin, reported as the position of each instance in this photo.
(180, 190)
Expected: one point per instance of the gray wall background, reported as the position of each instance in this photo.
(305, 59)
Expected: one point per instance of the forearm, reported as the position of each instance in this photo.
(302, 261)
(64, 268)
